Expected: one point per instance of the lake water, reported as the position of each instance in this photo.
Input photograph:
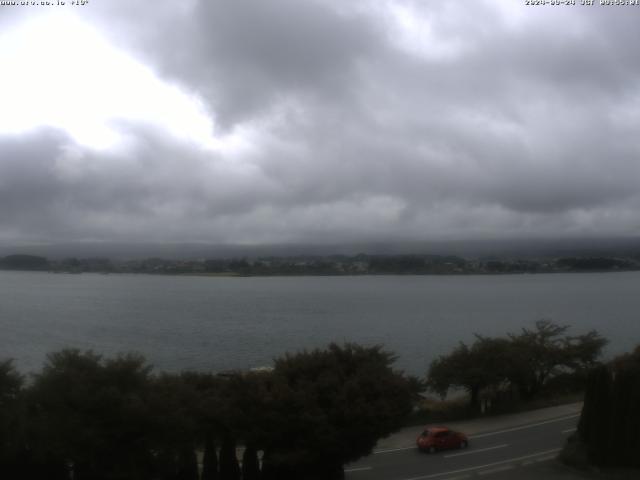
(225, 323)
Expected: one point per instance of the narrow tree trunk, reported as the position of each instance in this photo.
(250, 464)
(166, 465)
(229, 468)
(267, 472)
(187, 464)
(475, 398)
(210, 460)
(595, 427)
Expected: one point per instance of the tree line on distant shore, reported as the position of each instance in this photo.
(361, 264)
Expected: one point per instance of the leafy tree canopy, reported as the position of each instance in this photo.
(526, 360)
(331, 407)
(93, 412)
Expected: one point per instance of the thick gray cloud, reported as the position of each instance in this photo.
(245, 56)
(397, 120)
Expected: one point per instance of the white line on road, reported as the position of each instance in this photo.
(478, 467)
(496, 470)
(545, 459)
(569, 430)
(469, 452)
(482, 435)
(358, 469)
(394, 450)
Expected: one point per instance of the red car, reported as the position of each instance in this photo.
(440, 438)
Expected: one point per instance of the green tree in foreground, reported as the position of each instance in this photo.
(11, 426)
(187, 464)
(609, 428)
(250, 464)
(10, 383)
(92, 418)
(472, 368)
(329, 407)
(210, 460)
(525, 361)
(92, 414)
(229, 467)
(540, 353)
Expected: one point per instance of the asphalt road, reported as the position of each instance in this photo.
(515, 452)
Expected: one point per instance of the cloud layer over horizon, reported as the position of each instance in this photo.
(318, 121)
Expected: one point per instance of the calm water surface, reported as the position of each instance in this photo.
(227, 323)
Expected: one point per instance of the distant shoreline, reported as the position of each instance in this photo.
(291, 275)
(333, 265)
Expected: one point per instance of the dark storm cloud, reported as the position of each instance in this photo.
(246, 55)
(51, 185)
(469, 121)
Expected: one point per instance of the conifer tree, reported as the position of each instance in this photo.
(187, 464)
(595, 422)
(250, 464)
(229, 468)
(166, 465)
(210, 459)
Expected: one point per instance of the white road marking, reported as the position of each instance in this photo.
(469, 452)
(496, 470)
(394, 450)
(523, 427)
(461, 477)
(569, 430)
(478, 467)
(545, 459)
(358, 469)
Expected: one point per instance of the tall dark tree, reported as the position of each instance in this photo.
(250, 464)
(12, 427)
(610, 422)
(187, 464)
(329, 407)
(541, 352)
(473, 368)
(10, 382)
(229, 468)
(92, 414)
(166, 464)
(595, 423)
(624, 446)
(175, 403)
(625, 416)
(210, 459)
(525, 361)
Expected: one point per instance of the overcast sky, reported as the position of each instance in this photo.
(277, 121)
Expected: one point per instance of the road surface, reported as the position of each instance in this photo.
(518, 451)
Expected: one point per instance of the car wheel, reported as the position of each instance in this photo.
(464, 444)
(432, 449)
